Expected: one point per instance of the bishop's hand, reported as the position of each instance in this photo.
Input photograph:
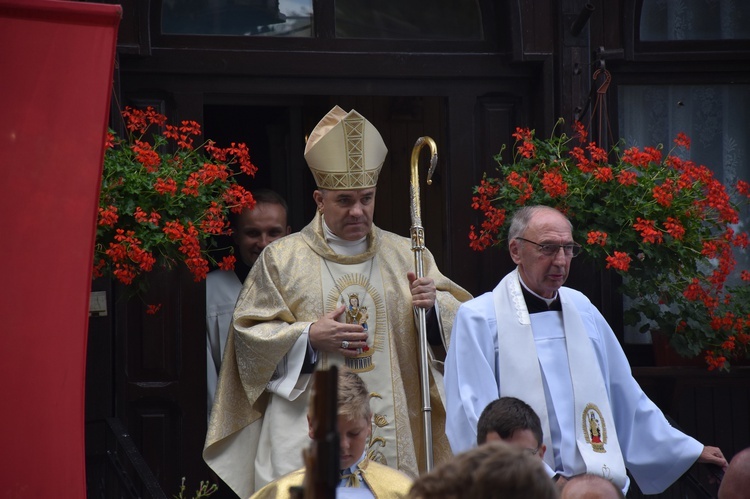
(327, 334)
(423, 291)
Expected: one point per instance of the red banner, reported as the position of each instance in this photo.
(56, 62)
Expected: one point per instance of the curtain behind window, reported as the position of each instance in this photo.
(715, 119)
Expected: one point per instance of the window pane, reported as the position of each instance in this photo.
(409, 19)
(711, 115)
(695, 20)
(237, 17)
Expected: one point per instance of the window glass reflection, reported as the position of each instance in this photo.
(238, 17)
(409, 19)
(675, 20)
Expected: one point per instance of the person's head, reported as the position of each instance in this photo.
(345, 153)
(257, 228)
(736, 481)
(347, 213)
(513, 421)
(535, 238)
(590, 487)
(354, 417)
(494, 470)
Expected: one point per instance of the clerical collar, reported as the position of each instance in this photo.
(536, 303)
(342, 246)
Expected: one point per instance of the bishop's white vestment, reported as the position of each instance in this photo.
(655, 453)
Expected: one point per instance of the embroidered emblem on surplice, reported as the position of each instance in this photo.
(355, 292)
(594, 428)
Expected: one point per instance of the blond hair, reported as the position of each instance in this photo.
(353, 396)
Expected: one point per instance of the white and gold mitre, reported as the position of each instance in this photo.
(345, 151)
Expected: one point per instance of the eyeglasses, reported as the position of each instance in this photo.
(532, 452)
(572, 250)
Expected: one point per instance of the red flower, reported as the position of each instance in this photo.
(683, 141)
(227, 263)
(663, 194)
(728, 344)
(626, 177)
(137, 120)
(520, 183)
(694, 291)
(212, 172)
(603, 174)
(674, 228)
(714, 361)
(237, 198)
(485, 192)
(597, 237)
(214, 221)
(151, 309)
(527, 150)
(618, 261)
(554, 185)
(191, 185)
(108, 216)
(145, 155)
(598, 155)
(580, 132)
(165, 186)
(648, 231)
(242, 156)
(582, 161)
(143, 217)
(198, 267)
(522, 134)
(140, 215)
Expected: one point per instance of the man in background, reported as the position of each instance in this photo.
(252, 230)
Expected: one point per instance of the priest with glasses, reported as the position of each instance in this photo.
(533, 339)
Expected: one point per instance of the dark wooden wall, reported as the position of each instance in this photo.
(468, 95)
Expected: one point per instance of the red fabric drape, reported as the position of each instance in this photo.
(56, 62)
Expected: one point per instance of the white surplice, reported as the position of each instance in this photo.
(222, 289)
(655, 453)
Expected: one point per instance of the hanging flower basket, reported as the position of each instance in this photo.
(665, 224)
(163, 198)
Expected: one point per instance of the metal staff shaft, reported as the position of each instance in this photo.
(417, 246)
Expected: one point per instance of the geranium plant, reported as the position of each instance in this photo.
(665, 224)
(163, 198)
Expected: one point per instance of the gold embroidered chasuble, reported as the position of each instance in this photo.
(383, 482)
(288, 288)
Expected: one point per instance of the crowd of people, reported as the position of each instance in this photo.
(536, 398)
